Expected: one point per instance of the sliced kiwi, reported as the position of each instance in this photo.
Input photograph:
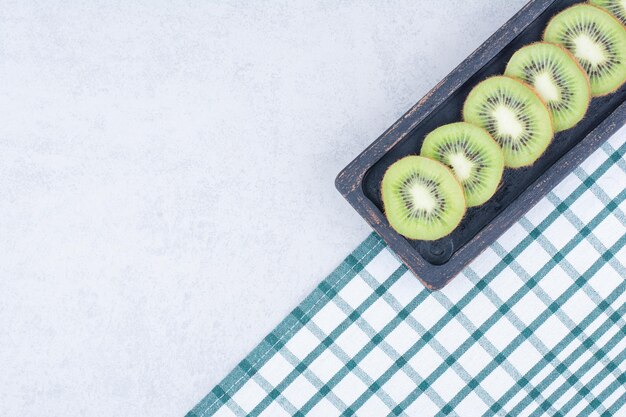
(597, 40)
(475, 158)
(616, 7)
(558, 78)
(422, 198)
(514, 116)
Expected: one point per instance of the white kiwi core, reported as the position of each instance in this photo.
(507, 122)
(422, 198)
(589, 50)
(461, 165)
(546, 87)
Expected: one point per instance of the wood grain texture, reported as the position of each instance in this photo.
(520, 190)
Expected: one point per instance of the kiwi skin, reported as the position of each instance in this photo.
(607, 14)
(596, 3)
(532, 89)
(580, 68)
(462, 195)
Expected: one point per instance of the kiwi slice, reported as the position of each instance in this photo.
(475, 158)
(422, 198)
(616, 7)
(558, 78)
(597, 40)
(514, 116)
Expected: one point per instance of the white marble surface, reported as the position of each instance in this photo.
(166, 179)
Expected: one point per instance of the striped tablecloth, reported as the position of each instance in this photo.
(534, 326)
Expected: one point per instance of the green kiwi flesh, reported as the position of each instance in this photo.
(514, 116)
(616, 7)
(422, 198)
(597, 40)
(558, 79)
(475, 158)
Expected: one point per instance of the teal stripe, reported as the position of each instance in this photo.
(574, 332)
(330, 339)
(435, 344)
(609, 150)
(495, 362)
(364, 351)
(235, 408)
(546, 405)
(561, 370)
(566, 266)
(546, 360)
(591, 238)
(444, 354)
(278, 396)
(582, 391)
(423, 385)
(313, 379)
(617, 405)
(345, 359)
(363, 254)
(618, 382)
(565, 320)
(520, 326)
(373, 335)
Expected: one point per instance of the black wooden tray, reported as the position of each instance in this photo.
(436, 263)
